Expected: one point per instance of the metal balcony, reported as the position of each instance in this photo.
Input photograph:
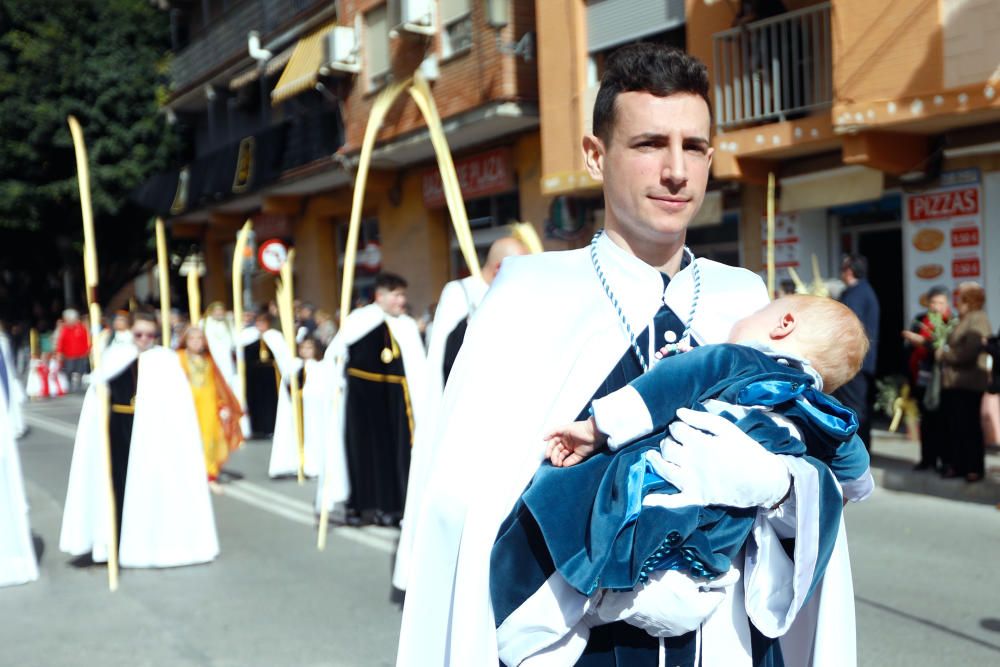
(773, 69)
(226, 37)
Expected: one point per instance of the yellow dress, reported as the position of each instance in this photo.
(201, 372)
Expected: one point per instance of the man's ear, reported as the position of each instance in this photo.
(785, 326)
(593, 156)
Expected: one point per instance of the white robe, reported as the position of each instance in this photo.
(543, 340)
(284, 448)
(358, 324)
(222, 345)
(17, 554)
(167, 517)
(17, 396)
(459, 299)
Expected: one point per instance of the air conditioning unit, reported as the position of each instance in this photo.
(414, 16)
(341, 50)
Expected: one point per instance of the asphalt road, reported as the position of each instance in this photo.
(927, 576)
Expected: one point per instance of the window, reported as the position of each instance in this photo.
(487, 219)
(377, 46)
(456, 27)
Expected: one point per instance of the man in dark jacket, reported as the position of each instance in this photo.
(860, 298)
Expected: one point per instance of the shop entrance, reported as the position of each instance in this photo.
(875, 232)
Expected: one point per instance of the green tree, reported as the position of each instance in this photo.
(102, 61)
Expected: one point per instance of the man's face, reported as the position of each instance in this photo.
(120, 323)
(262, 324)
(218, 313)
(938, 304)
(144, 334)
(655, 165)
(393, 302)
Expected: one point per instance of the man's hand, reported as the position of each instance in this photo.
(670, 604)
(713, 462)
(572, 444)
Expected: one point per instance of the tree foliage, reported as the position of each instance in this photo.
(102, 61)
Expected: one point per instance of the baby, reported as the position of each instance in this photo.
(819, 336)
(768, 379)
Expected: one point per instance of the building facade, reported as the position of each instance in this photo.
(274, 97)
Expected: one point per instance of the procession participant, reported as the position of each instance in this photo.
(560, 330)
(18, 564)
(221, 342)
(164, 510)
(625, 517)
(120, 330)
(315, 413)
(259, 344)
(217, 407)
(12, 387)
(457, 304)
(379, 356)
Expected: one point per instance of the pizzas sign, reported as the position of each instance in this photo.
(941, 205)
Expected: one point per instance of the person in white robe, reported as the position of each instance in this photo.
(221, 342)
(376, 354)
(456, 306)
(15, 391)
(18, 564)
(165, 509)
(315, 411)
(548, 338)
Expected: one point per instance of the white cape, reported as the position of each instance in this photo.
(17, 554)
(167, 517)
(459, 299)
(222, 345)
(284, 449)
(17, 396)
(544, 339)
(359, 323)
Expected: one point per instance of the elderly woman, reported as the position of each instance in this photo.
(963, 381)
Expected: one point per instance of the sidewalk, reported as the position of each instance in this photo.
(893, 457)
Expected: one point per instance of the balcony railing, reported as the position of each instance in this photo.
(226, 36)
(774, 69)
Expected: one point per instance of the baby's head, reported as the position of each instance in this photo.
(816, 328)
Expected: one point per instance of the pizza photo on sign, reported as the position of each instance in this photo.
(929, 271)
(929, 239)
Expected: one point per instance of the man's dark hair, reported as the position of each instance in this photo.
(143, 315)
(652, 68)
(938, 290)
(266, 317)
(857, 264)
(389, 281)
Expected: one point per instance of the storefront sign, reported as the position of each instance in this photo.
(272, 225)
(244, 165)
(485, 174)
(942, 238)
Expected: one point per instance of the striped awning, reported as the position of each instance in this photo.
(248, 76)
(302, 70)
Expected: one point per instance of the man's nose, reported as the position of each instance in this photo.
(675, 167)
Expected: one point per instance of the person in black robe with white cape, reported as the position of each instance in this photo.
(557, 331)
(379, 358)
(164, 510)
(262, 374)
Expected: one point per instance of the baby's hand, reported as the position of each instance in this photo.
(572, 444)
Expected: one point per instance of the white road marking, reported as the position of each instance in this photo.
(298, 511)
(54, 426)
